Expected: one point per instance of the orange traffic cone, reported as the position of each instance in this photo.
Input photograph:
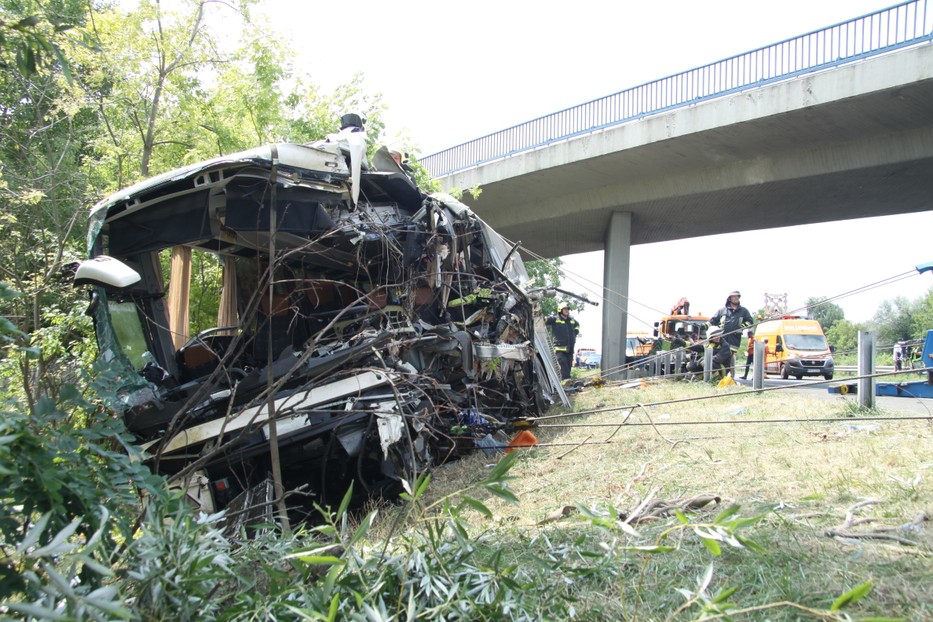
(522, 439)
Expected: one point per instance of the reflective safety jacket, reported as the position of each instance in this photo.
(565, 332)
(732, 321)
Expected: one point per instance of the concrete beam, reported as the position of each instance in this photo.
(615, 292)
(851, 142)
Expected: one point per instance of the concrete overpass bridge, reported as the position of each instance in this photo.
(831, 125)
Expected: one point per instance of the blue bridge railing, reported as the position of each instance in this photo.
(877, 33)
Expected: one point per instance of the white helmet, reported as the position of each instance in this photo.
(714, 331)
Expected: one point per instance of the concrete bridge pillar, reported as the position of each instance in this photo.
(615, 292)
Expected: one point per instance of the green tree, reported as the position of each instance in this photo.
(314, 114)
(843, 336)
(922, 315)
(43, 185)
(31, 35)
(892, 321)
(827, 313)
(149, 86)
(546, 274)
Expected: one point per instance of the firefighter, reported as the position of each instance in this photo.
(723, 358)
(732, 318)
(565, 330)
(749, 354)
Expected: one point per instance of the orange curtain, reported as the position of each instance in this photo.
(227, 313)
(179, 288)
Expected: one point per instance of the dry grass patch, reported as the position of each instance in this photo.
(803, 478)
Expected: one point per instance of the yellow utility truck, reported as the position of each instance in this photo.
(795, 346)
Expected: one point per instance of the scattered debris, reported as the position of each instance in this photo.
(878, 533)
(522, 440)
(556, 515)
(661, 509)
(871, 427)
(654, 509)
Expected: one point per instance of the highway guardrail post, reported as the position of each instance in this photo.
(866, 369)
(758, 366)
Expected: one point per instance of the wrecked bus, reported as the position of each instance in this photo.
(366, 330)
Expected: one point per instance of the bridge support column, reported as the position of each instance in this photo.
(615, 293)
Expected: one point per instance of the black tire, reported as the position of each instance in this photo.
(784, 372)
(827, 376)
(798, 376)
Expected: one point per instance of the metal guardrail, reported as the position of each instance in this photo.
(853, 369)
(877, 33)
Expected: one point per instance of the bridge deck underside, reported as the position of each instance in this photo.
(855, 157)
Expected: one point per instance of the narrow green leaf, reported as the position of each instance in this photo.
(59, 543)
(681, 516)
(853, 595)
(422, 484)
(345, 503)
(64, 64)
(726, 513)
(724, 594)
(94, 565)
(478, 506)
(627, 528)
(503, 493)
(8, 293)
(32, 536)
(751, 544)
(318, 551)
(502, 467)
(588, 512)
(27, 22)
(315, 560)
(711, 545)
(6, 326)
(334, 608)
(40, 613)
(739, 523)
(650, 548)
(706, 533)
(363, 529)
(706, 579)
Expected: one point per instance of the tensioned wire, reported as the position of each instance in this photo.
(712, 396)
(630, 410)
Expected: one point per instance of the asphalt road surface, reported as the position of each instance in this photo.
(813, 389)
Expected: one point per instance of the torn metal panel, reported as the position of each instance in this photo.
(369, 317)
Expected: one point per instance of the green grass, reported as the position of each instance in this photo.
(800, 478)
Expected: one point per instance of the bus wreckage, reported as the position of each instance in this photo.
(366, 330)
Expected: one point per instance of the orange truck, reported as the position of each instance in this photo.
(680, 329)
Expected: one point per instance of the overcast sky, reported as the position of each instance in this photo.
(453, 71)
